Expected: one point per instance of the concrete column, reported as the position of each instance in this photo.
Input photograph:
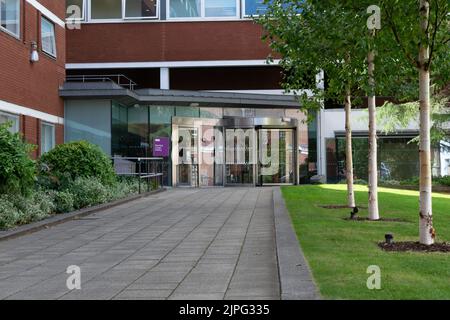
(164, 78)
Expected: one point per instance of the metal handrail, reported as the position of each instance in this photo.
(143, 168)
(115, 78)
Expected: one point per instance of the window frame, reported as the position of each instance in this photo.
(123, 14)
(53, 136)
(203, 16)
(16, 120)
(51, 54)
(19, 24)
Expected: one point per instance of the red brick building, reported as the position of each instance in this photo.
(29, 90)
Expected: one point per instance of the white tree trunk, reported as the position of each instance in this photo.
(373, 160)
(426, 230)
(349, 152)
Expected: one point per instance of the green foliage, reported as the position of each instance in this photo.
(88, 192)
(394, 117)
(64, 201)
(444, 181)
(9, 215)
(75, 160)
(17, 170)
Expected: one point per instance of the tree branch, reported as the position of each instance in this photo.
(397, 38)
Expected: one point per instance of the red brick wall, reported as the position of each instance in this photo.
(33, 85)
(166, 41)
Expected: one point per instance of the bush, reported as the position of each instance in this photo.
(9, 215)
(88, 192)
(63, 201)
(445, 181)
(73, 160)
(17, 170)
(33, 208)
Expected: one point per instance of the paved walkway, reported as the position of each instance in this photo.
(200, 244)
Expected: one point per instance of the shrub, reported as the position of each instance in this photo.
(73, 160)
(444, 181)
(64, 201)
(33, 208)
(9, 215)
(88, 192)
(17, 170)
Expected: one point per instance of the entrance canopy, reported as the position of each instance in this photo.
(111, 90)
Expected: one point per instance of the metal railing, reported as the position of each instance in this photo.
(119, 79)
(147, 169)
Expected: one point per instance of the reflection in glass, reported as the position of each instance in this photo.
(220, 8)
(276, 156)
(140, 8)
(239, 154)
(185, 8)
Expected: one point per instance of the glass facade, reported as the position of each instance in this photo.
(208, 152)
(398, 158)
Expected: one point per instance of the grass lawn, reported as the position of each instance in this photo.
(340, 251)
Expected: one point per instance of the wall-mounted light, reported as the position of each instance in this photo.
(34, 52)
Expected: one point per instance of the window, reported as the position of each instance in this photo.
(10, 16)
(203, 8)
(6, 117)
(47, 137)
(48, 39)
(123, 9)
(75, 9)
(220, 8)
(106, 9)
(254, 7)
(185, 8)
(141, 9)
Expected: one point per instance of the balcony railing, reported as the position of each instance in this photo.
(119, 79)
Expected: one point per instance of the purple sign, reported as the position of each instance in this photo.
(161, 147)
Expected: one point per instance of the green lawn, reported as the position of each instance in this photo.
(340, 251)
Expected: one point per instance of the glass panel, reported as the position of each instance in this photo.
(10, 16)
(185, 8)
(4, 117)
(161, 126)
(140, 8)
(91, 121)
(187, 166)
(119, 130)
(220, 8)
(255, 7)
(276, 156)
(211, 113)
(397, 158)
(240, 158)
(80, 9)
(106, 9)
(188, 112)
(138, 132)
(48, 37)
(47, 138)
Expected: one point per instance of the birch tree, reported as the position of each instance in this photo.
(311, 36)
(421, 31)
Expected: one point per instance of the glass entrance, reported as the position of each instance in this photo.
(276, 156)
(240, 156)
(187, 166)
